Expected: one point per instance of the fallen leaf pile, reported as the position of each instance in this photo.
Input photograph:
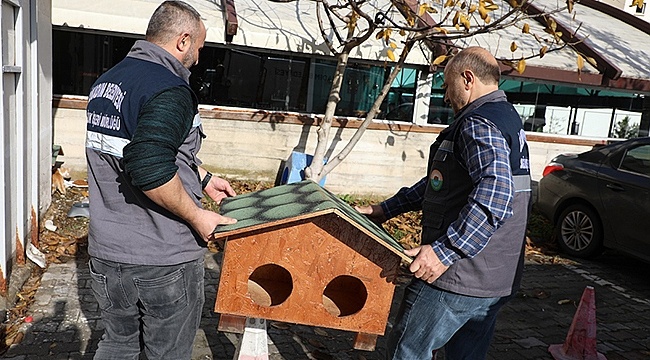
(544, 253)
(71, 234)
(14, 327)
(406, 229)
(247, 186)
(539, 228)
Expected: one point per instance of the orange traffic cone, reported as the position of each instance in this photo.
(580, 343)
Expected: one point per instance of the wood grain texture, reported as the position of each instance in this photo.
(314, 252)
(231, 323)
(365, 342)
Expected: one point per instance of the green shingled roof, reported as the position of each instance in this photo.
(284, 202)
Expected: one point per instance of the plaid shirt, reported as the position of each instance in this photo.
(486, 156)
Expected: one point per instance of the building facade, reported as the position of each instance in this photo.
(275, 61)
(26, 132)
(263, 87)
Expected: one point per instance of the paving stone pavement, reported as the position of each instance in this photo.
(67, 324)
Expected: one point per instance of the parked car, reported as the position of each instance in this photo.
(600, 198)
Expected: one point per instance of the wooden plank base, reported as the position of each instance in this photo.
(366, 342)
(231, 323)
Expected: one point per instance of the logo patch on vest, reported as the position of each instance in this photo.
(436, 180)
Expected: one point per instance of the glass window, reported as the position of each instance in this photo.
(637, 160)
(399, 102)
(258, 80)
(439, 111)
(249, 79)
(79, 58)
(571, 110)
(360, 88)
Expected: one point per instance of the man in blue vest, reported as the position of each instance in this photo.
(148, 231)
(475, 202)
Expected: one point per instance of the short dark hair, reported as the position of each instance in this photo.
(171, 19)
(479, 61)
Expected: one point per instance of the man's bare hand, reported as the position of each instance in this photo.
(374, 212)
(209, 222)
(426, 265)
(219, 189)
(173, 197)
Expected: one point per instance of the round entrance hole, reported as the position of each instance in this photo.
(270, 285)
(345, 295)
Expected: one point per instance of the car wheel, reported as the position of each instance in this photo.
(579, 232)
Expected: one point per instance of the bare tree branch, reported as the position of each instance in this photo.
(321, 27)
(336, 160)
(457, 19)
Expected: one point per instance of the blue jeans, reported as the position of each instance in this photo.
(158, 305)
(430, 318)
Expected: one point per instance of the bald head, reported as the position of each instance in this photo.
(469, 75)
(479, 61)
(171, 19)
(176, 27)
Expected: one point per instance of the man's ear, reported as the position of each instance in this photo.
(468, 77)
(183, 43)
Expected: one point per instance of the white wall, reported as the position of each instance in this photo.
(249, 148)
(25, 134)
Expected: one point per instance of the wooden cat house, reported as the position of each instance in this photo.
(299, 254)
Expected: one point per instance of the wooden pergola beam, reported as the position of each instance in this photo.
(231, 17)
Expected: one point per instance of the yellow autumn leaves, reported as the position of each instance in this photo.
(439, 60)
(551, 28)
(352, 21)
(520, 65)
(470, 16)
(461, 18)
(483, 8)
(385, 35)
(580, 62)
(426, 8)
(638, 4)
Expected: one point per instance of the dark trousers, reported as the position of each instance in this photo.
(160, 305)
(430, 318)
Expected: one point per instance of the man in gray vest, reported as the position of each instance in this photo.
(148, 231)
(475, 202)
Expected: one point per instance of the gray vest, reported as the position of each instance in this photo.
(125, 225)
(496, 270)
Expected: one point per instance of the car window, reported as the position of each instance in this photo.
(403, 112)
(440, 115)
(637, 160)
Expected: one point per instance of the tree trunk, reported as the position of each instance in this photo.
(314, 171)
(335, 160)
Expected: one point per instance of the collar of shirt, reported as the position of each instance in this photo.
(497, 95)
(148, 51)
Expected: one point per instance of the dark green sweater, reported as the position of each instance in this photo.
(163, 125)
